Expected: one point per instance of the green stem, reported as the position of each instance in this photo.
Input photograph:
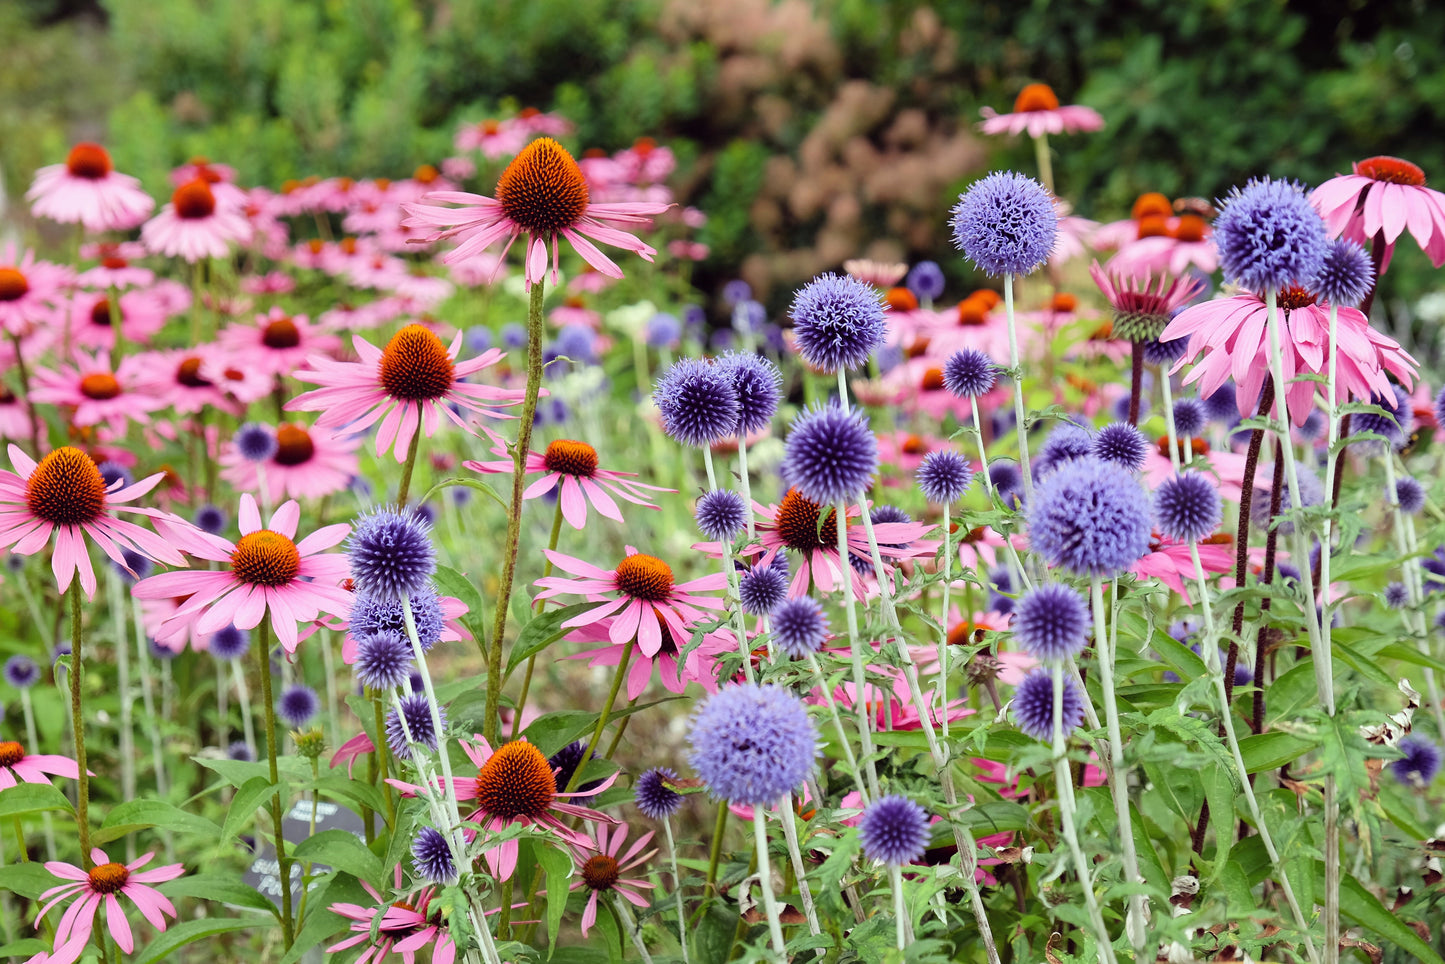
(676, 886)
(541, 604)
(405, 488)
(24, 374)
(380, 758)
(514, 513)
(1020, 415)
(617, 679)
(77, 722)
(715, 852)
(1046, 163)
(263, 660)
(25, 854)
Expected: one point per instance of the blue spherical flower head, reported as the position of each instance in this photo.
(838, 321)
(893, 830)
(514, 334)
(373, 615)
(230, 643)
(1346, 274)
(1419, 764)
(431, 855)
(1394, 425)
(210, 518)
(1313, 426)
(830, 455)
(1269, 235)
(256, 442)
(698, 403)
(391, 553)
(969, 373)
(1006, 224)
(799, 626)
(1158, 352)
(721, 515)
(1005, 477)
(1189, 417)
(736, 290)
(136, 566)
(762, 589)
(1090, 518)
(1052, 622)
(654, 797)
(759, 387)
(944, 476)
(564, 764)
(1033, 706)
(113, 472)
(1123, 444)
(1311, 490)
(1065, 443)
(238, 750)
(416, 711)
(1396, 595)
(1410, 494)
(662, 331)
(752, 744)
(297, 705)
(21, 672)
(477, 339)
(925, 280)
(1187, 507)
(1221, 406)
(383, 661)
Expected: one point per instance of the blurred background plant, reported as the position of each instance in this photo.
(809, 132)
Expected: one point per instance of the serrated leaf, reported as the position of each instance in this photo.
(252, 795)
(341, 849)
(1361, 663)
(26, 798)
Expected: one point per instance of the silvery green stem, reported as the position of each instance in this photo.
(152, 725)
(746, 484)
(786, 812)
(1210, 646)
(631, 924)
(843, 741)
(419, 654)
(676, 886)
(1013, 360)
(1408, 545)
(328, 663)
(33, 738)
(127, 719)
(1168, 393)
(1046, 162)
(243, 697)
(855, 651)
(765, 882)
(729, 570)
(943, 622)
(900, 912)
(1136, 925)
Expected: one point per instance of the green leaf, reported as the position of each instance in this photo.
(552, 731)
(237, 772)
(1291, 690)
(27, 879)
(252, 795)
(477, 484)
(136, 815)
(449, 582)
(1411, 655)
(321, 923)
(188, 932)
(341, 849)
(219, 887)
(1362, 907)
(1220, 787)
(1361, 663)
(558, 867)
(1179, 657)
(26, 798)
(358, 791)
(830, 875)
(1269, 751)
(540, 633)
(26, 947)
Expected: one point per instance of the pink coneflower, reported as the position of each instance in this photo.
(268, 573)
(406, 927)
(1230, 335)
(194, 225)
(1142, 305)
(14, 415)
(880, 274)
(220, 177)
(105, 883)
(493, 138)
(115, 269)
(31, 292)
(18, 766)
(87, 189)
(95, 393)
(601, 864)
(309, 463)
(141, 314)
(1170, 563)
(1037, 112)
(647, 598)
(1187, 245)
(414, 382)
(573, 468)
(278, 343)
(232, 375)
(1151, 216)
(1075, 234)
(155, 613)
(179, 378)
(1383, 197)
(674, 674)
(542, 194)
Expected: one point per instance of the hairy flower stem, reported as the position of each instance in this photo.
(855, 652)
(263, 664)
(1118, 776)
(676, 886)
(1136, 379)
(843, 740)
(765, 882)
(493, 653)
(1019, 414)
(404, 489)
(900, 913)
(942, 688)
(127, 721)
(715, 851)
(786, 814)
(77, 722)
(731, 571)
(1210, 646)
(540, 605)
(630, 925)
(1168, 394)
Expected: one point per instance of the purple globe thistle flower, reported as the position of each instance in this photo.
(391, 553)
(1345, 275)
(1122, 444)
(654, 797)
(1440, 407)
(925, 280)
(113, 472)
(1311, 490)
(297, 705)
(1090, 518)
(158, 652)
(240, 752)
(1269, 235)
(1189, 417)
(752, 744)
(1410, 494)
(830, 455)
(662, 331)
(1313, 426)
(721, 514)
(749, 316)
(514, 335)
(799, 626)
(1005, 223)
(762, 589)
(698, 402)
(417, 713)
(136, 566)
(1162, 353)
(1419, 764)
(1006, 478)
(230, 643)
(431, 855)
(1121, 407)
(575, 342)
(1183, 629)
(1187, 507)
(944, 476)
(1221, 406)
(838, 321)
(880, 515)
(478, 339)
(759, 388)
(21, 672)
(383, 661)
(255, 442)
(1394, 425)
(1065, 443)
(736, 290)
(1396, 595)
(893, 830)
(210, 518)
(1033, 706)
(1052, 622)
(372, 615)
(565, 763)
(969, 373)
(426, 513)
